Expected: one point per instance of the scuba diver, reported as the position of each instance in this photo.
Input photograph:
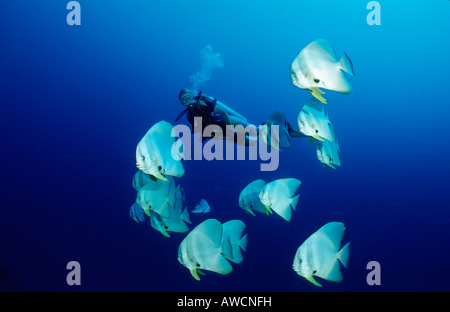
(214, 112)
(211, 111)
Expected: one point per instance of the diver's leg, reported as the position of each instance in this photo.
(223, 114)
(246, 134)
(238, 121)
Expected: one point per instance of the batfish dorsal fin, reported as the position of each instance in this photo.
(335, 232)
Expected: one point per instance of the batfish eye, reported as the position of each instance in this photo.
(315, 271)
(159, 168)
(198, 265)
(316, 80)
(143, 157)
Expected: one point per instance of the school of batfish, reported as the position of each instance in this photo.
(214, 246)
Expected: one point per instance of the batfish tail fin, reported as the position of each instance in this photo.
(227, 249)
(346, 65)
(344, 254)
(232, 231)
(185, 216)
(243, 242)
(294, 201)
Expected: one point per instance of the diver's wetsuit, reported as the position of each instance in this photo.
(212, 114)
(204, 107)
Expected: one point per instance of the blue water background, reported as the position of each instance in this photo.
(76, 100)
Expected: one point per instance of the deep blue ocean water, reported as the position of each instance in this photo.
(76, 100)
